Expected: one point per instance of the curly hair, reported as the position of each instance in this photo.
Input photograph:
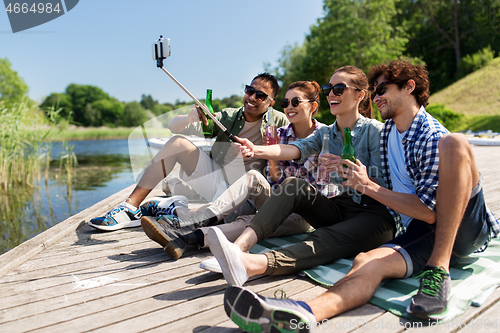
(310, 88)
(359, 80)
(399, 72)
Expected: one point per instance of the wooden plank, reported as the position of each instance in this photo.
(28, 249)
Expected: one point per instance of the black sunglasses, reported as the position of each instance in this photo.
(249, 90)
(338, 89)
(380, 89)
(295, 102)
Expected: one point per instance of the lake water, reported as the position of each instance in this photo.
(104, 168)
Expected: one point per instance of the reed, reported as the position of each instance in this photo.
(22, 148)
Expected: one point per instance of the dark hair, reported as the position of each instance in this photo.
(399, 72)
(310, 88)
(359, 81)
(266, 77)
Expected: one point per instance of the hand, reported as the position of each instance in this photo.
(265, 140)
(330, 162)
(197, 114)
(355, 174)
(246, 147)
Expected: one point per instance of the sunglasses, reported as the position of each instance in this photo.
(338, 89)
(295, 102)
(249, 90)
(380, 89)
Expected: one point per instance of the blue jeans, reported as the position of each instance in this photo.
(416, 244)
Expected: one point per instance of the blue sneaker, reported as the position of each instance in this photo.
(158, 206)
(122, 216)
(431, 301)
(255, 313)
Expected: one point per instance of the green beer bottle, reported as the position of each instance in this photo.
(207, 129)
(348, 152)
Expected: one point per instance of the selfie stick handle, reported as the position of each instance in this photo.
(222, 127)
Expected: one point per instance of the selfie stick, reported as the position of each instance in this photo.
(161, 50)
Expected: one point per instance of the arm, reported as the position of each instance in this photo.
(274, 152)
(406, 204)
(180, 122)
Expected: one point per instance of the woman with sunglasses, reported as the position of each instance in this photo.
(345, 224)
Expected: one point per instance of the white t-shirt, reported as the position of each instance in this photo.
(401, 181)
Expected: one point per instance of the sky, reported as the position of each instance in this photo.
(217, 44)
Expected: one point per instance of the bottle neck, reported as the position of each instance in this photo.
(347, 137)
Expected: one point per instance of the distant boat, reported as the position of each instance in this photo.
(488, 138)
(202, 143)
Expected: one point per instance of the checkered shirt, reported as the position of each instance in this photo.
(420, 144)
(306, 170)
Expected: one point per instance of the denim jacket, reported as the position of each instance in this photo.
(365, 140)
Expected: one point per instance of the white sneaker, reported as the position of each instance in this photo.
(211, 265)
(229, 257)
(122, 216)
(158, 206)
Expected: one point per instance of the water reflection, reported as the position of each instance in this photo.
(103, 169)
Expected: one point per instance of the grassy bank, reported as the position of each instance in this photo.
(103, 133)
(475, 94)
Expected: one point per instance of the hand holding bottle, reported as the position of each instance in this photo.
(197, 114)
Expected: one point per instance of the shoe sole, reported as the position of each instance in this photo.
(259, 316)
(154, 232)
(426, 316)
(211, 265)
(118, 226)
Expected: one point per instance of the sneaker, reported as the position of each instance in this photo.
(431, 301)
(211, 265)
(229, 257)
(255, 313)
(163, 230)
(157, 206)
(122, 216)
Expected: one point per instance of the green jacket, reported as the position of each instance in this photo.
(234, 121)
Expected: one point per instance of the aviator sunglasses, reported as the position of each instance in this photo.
(249, 90)
(338, 89)
(295, 102)
(380, 89)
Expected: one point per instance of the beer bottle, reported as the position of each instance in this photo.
(348, 152)
(207, 129)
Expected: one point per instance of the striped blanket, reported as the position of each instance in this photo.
(471, 282)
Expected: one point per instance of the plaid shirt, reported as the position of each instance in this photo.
(306, 170)
(422, 159)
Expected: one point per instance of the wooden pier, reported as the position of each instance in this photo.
(73, 278)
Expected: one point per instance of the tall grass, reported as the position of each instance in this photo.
(22, 148)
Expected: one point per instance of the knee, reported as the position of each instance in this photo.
(295, 187)
(454, 144)
(254, 177)
(360, 260)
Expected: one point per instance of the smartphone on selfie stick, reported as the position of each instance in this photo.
(161, 50)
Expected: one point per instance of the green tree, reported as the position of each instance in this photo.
(442, 33)
(148, 102)
(12, 86)
(108, 111)
(81, 96)
(134, 115)
(160, 109)
(358, 33)
(59, 101)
